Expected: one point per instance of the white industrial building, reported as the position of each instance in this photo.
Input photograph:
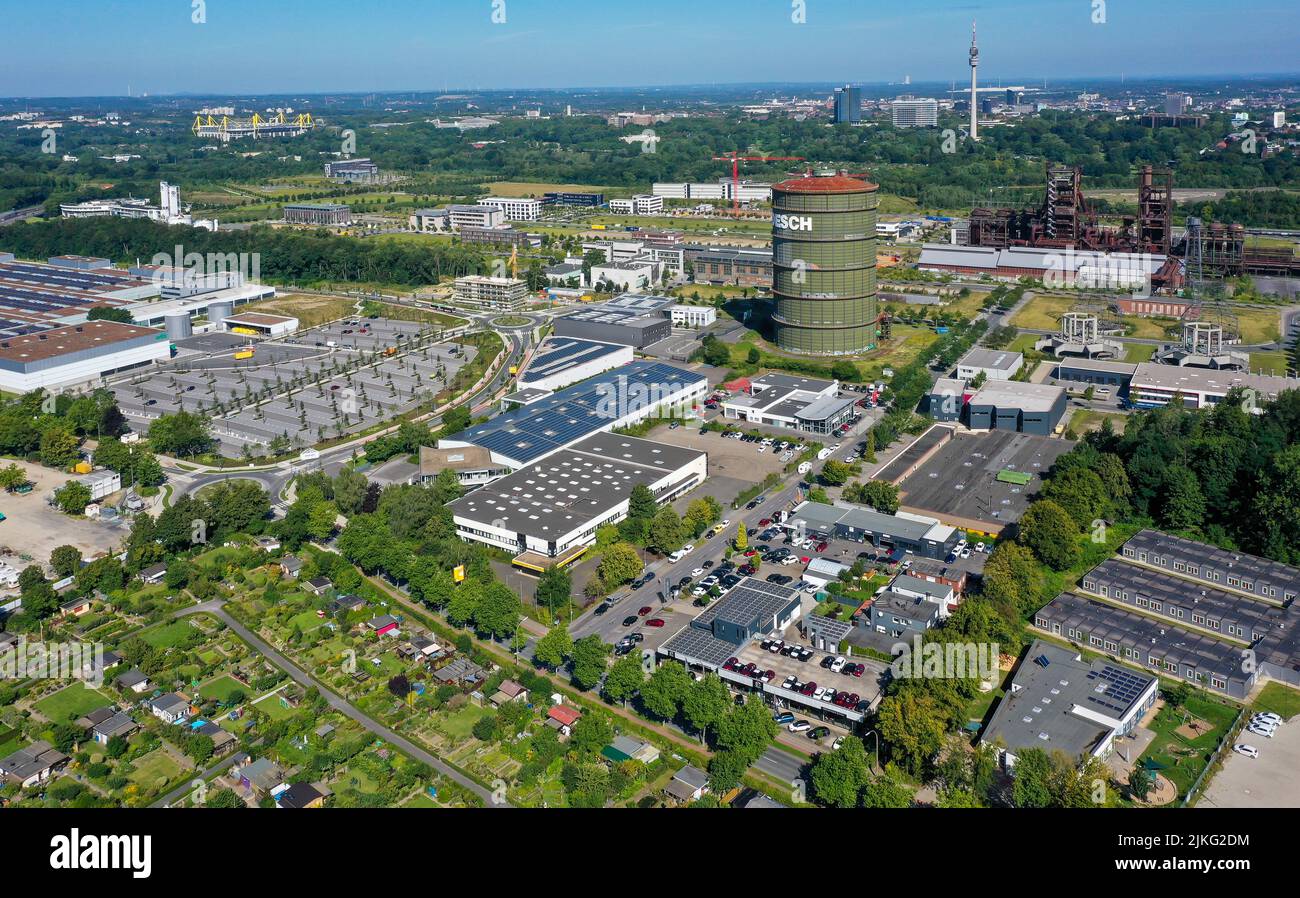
(628, 277)
(480, 216)
(548, 512)
(914, 113)
(562, 361)
(790, 401)
(641, 204)
(77, 354)
(693, 316)
(168, 211)
(723, 189)
(994, 364)
(491, 293)
(515, 208)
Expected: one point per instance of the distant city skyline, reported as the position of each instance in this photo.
(93, 48)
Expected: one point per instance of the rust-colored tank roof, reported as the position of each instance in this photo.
(830, 184)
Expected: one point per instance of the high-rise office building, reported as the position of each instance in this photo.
(913, 113)
(848, 105)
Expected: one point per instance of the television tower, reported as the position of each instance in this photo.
(974, 93)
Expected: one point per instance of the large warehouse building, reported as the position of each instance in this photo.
(824, 264)
(77, 354)
(1187, 611)
(562, 361)
(1152, 385)
(548, 512)
(616, 399)
(631, 319)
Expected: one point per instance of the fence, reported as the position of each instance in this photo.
(1215, 756)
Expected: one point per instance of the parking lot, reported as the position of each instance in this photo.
(734, 465)
(321, 384)
(32, 528)
(1272, 780)
(959, 484)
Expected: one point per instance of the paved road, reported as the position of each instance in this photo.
(781, 765)
(187, 788)
(340, 704)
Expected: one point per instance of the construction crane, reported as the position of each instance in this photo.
(735, 159)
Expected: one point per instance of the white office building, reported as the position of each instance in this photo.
(913, 113)
(480, 216)
(515, 208)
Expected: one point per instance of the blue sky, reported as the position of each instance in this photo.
(98, 47)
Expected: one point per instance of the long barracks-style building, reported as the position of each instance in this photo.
(1186, 610)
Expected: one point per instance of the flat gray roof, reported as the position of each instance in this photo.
(1051, 691)
(993, 359)
(1207, 380)
(570, 488)
(1015, 394)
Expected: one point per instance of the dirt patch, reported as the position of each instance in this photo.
(1194, 728)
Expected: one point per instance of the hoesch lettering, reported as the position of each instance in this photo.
(792, 222)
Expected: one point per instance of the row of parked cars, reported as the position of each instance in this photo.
(842, 698)
(1265, 725)
(840, 664)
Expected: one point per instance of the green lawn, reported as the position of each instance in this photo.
(1279, 699)
(166, 637)
(221, 688)
(1139, 352)
(71, 703)
(155, 770)
(458, 724)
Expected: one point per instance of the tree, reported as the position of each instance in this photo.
(625, 679)
(12, 476)
(60, 447)
(663, 693)
(455, 420)
(1051, 534)
(747, 730)
(1182, 504)
(836, 473)
(1031, 785)
(225, 798)
(1139, 782)
(591, 733)
(845, 371)
(620, 564)
(837, 777)
(399, 685)
(498, 613)
(880, 495)
(1013, 577)
(666, 532)
(350, 490)
(183, 433)
(73, 497)
(726, 771)
(590, 655)
(912, 724)
(1081, 493)
(886, 792)
(554, 588)
(65, 560)
(705, 704)
(641, 503)
(554, 649)
(742, 537)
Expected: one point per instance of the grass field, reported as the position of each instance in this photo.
(1044, 311)
(907, 343)
(1139, 352)
(310, 310)
(155, 770)
(1270, 362)
(71, 703)
(222, 688)
(1281, 700)
(537, 188)
(1085, 420)
(167, 636)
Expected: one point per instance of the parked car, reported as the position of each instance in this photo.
(630, 620)
(655, 622)
(784, 718)
(819, 732)
(1249, 751)
(644, 610)
(800, 726)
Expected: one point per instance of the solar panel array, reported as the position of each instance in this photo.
(750, 599)
(34, 291)
(1122, 688)
(549, 425)
(701, 646)
(561, 353)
